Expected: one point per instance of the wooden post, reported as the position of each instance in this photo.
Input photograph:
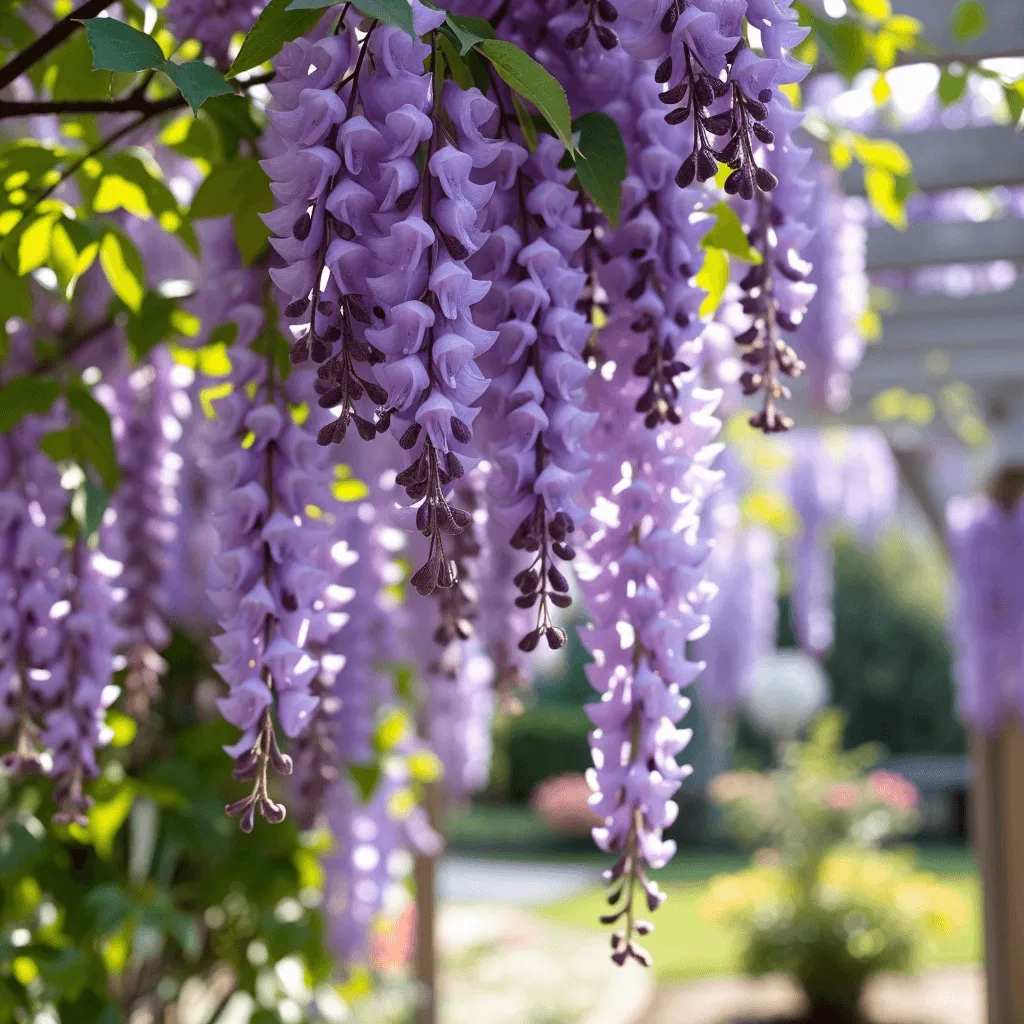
(425, 875)
(997, 818)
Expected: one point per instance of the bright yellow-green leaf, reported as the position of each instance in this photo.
(210, 395)
(123, 728)
(116, 950)
(117, 193)
(879, 9)
(880, 186)
(34, 244)
(904, 25)
(350, 490)
(840, 154)
(123, 267)
(424, 766)
(106, 819)
(880, 91)
(713, 278)
(393, 728)
(881, 153)
(24, 970)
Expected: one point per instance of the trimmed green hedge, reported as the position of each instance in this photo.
(546, 740)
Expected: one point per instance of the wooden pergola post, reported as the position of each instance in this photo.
(997, 821)
(425, 876)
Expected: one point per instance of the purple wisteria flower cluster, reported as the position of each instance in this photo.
(987, 622)
(644, 591)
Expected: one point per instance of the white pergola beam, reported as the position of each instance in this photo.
(930, 242)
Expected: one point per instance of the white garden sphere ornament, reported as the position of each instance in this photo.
(789, 689)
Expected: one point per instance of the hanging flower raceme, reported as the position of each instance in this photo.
(34, 578)
(80, 686)
(654, 256)
(776, 291)
(830, 336)
(427, 291)
(744, 610)
(987, 623)
(847, 479)
(539, 461)
(322, 164)
(147, 510)
(642, 587)
(270, 582)
(457, 675)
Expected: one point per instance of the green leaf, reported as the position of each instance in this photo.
(275, 26)
(968, 20)
(882, 153)
(196, 81)
(389, 12)
(729, 236)
(124, 730)
(526, 123)
(124, 269)
(96, 434)
(34, 244)
(89, 510)
(951, 86)
(713, 277)
(469, 31)
(523, 74)
(460, 71)
(15, 297)
(153, 324)
(231, 187)
(881, 187)
(844, 43)
(601, 162)
(119, 47)
(26, 396)
(365, 777)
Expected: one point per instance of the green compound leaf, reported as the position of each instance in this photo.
(196, 81)
(523, 74)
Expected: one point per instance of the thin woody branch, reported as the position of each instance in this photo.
(50, 40)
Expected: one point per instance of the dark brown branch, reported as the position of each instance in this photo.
(131, 104)
(50, 40)
(134, 103)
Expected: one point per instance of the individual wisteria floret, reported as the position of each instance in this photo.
(270, 580)
(147, 509)
(643, 582)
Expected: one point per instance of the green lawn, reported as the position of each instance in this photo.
(686, 947)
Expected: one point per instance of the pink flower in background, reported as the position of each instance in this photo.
(563, 802)
(843, 796)
(392, 943)
(893, 789)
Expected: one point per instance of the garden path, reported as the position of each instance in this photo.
(953, 995)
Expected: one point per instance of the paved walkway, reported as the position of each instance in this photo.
(952, 995)
(463, 880)
(504, 966)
